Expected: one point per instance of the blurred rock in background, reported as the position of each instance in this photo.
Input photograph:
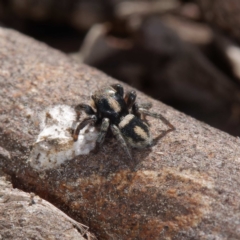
(184, 53)
(222, 15)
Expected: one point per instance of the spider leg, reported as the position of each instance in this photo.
(140, 110)
(157, 115)
(84, 107)
(103, 131)
(116, 132)
(130, 98)
(78, 126)
(146, 105)
(118, 88)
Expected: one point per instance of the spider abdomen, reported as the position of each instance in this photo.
(135, 131)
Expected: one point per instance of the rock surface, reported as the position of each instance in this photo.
(26, 216)
(185, 187)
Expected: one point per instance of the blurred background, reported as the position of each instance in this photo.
(183, 52)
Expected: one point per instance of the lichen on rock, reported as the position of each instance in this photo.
(54, 144)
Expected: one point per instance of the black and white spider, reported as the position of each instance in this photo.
(126, 119)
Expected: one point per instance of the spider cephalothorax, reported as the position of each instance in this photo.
(126, 119)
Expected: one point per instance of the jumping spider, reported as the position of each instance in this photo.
(126, 119)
